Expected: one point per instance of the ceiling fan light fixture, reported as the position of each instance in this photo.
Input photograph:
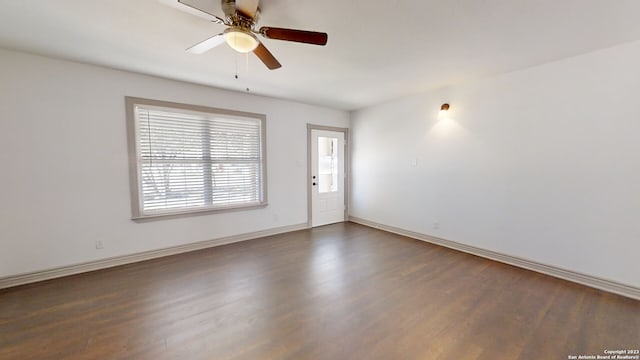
(240, 39)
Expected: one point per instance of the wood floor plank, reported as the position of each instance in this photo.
(342, 291)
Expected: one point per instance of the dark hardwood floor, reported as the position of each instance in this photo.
(342, 291)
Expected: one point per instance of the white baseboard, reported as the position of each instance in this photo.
(36, 276)
(588, 280)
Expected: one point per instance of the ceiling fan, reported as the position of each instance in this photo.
(241, 17)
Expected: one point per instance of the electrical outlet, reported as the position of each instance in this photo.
(99, 244)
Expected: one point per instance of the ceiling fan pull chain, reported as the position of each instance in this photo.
(246, 62)
(236, 59)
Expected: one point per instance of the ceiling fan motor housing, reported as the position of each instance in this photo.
(236, 17)
(229, 7)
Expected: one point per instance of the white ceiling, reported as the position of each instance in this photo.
(377, 50)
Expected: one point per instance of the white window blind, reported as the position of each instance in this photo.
(191, 160)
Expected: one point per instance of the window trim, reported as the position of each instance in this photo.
(134, 177)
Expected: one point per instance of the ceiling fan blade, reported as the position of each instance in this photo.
(248, 7)
(191, 9)
(206, 45)
(308, 37)
(267, 58)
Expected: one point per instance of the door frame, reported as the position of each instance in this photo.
(347, 169)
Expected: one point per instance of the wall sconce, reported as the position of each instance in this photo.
(444, 108)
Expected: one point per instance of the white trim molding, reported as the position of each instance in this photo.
(588, 280)
(26, 278)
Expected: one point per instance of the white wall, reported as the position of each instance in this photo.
(64, 181)
(543, 164)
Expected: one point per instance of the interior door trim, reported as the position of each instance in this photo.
(347, 168)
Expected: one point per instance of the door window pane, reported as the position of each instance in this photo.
(327, 164)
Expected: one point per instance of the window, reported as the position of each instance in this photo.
(327, 164)
(187, 158)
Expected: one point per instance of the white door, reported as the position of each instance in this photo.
(327, 177)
